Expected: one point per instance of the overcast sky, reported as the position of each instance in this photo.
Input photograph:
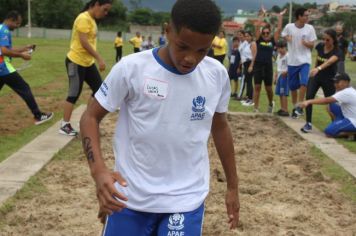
(230, 6)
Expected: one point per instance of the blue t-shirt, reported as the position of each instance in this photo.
(5, 41)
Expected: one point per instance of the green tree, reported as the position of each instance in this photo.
(141, 16)
(10, 5)
(117, 15)
(56, 14)
(158, 18)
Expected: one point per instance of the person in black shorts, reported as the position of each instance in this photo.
(323, 73)
(262, 65)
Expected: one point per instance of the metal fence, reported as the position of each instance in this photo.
(66, 34)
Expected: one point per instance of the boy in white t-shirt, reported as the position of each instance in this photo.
(171, 99)
(342, 108)
(281, 78)
(300, 37)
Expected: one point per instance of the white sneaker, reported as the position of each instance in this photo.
(271, 108)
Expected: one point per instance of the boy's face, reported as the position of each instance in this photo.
(282, 50)
(14, 23)
(187, 48)
(235, 43)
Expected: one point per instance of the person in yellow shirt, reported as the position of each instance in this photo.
(80, 61)
(220, 47)
(118, 46)
(136, 42)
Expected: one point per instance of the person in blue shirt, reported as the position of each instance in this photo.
(9, 75)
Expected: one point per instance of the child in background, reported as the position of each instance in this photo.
(234, 67)
(281, 78)
(118, 46)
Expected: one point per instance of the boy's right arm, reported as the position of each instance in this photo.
(104, 179)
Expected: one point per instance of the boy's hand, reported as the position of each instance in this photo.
(313, 72)
(233, 207)
(107, 194)
(26, 56)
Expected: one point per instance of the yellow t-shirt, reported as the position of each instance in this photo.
(118, 42)
(222, 43)
(86, 24)
(136, 41)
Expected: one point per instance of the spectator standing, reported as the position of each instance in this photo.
(281, 78)
(300, 37)
(322, 75)
(342, 44)
(220, 47)
(136, 42)
(118, 46)
(234, 67)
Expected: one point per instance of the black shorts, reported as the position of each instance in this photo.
(77, 75)
(263, 72)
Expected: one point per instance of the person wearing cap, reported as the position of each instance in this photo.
(342, 108)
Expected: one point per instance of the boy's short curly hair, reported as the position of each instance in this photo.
(202, 16)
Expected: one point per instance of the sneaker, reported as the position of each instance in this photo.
(271, 108)
(299, 111)
(282, 113)
(306, 128)
(43, 117)
(248, 103)
(67, 129)
(294, 114)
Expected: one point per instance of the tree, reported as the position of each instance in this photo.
(56, 14)
(10, 5)
(117, 15)
(135, 4)
(141, 16)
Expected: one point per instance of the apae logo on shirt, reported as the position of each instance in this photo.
(198, 108)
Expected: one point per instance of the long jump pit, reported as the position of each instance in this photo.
(282, 189)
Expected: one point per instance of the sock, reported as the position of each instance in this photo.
(63, 123)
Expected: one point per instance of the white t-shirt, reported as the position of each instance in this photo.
(282, 64)
(160, 142)
(299, 54)
(347, 100)
(245, 51)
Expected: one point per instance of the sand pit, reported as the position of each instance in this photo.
(282, 190)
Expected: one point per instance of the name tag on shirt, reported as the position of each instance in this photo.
(232, 59)
(156, 88)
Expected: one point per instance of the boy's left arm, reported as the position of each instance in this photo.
(224, 145)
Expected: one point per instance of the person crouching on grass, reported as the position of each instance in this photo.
(171, 99)
(342, 107)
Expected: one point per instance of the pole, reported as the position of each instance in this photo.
(29, 18)
(290, 11)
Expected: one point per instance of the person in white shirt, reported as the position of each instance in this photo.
(171, 98)
(301, 38)
(281, 78)
(342, 108)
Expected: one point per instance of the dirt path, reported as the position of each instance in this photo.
(282, 190)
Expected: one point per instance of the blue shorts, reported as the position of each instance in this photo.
(340, 124)
(298, 75)
(282, 88)
(134, 223)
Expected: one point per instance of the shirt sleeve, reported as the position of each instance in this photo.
(312, 35)
(223, 104)
(285, 31)
(82, 25)
(114, 89)
(342, 96)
